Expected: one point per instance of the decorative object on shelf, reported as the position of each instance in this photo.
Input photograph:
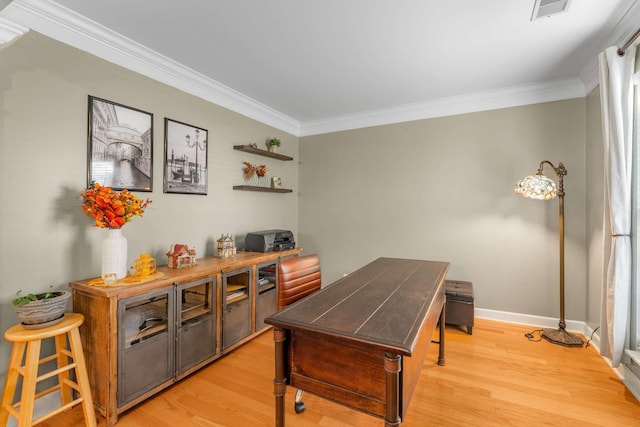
(249, 172)
(114, 256)
(108, 279)
(40, 310)
(276, 182)
(253, 145)
(180, 256)
(255, 175)
(226, 246)
(185, 158)
(112, 210)
(144, 267)
(272, 143)
(261, 173)
(540, 187)
(130, 280)
(121, 139)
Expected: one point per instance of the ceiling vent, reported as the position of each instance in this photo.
(547, 8)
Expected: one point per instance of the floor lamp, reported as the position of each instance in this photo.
(540, 187)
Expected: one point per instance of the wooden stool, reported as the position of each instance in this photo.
(26, 343)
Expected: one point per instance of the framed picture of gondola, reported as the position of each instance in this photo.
(185, 158)
(120, 146)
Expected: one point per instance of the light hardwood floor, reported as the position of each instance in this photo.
(496, 377)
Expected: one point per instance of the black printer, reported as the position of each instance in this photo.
(269, 240)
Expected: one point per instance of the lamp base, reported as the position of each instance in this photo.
(562, 337)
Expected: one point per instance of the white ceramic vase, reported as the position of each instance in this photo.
(114, 255)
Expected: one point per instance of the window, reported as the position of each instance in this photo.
(634, 327)
(632, 360)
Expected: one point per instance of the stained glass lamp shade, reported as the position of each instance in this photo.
(537, 187)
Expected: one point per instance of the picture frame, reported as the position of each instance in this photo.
(186, 158)
(276, 182)
(119, 146)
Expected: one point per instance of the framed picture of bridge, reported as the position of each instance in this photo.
(120, 146)
(185, 158)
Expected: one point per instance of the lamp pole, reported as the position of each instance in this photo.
(560, 335)
(560, 171)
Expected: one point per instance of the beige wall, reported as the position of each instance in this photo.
(442, 189)
(44, 236)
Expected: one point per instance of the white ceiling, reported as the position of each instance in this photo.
(320, 65)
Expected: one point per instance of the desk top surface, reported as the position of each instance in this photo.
(385, 303)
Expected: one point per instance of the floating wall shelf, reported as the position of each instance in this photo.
(263, 189)
(265, 153)
(259, 152)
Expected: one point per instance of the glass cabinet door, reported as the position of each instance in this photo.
(197, 322)
(266, 292)
(145, 343)
(236, 315)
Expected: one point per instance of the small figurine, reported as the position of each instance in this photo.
(180, 256)
(226, 246)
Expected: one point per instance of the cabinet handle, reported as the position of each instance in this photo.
(191, 323)
(150, 323)
(262, 292)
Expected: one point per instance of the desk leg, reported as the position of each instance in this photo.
(280, 380)
(392, 366)
(441, 336)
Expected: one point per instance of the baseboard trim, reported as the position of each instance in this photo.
(533, 320)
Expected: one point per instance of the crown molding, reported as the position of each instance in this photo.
(10, 31)
(479, 101)
(590, 75)
(66, 26)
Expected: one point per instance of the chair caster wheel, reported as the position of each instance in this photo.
(298, 407)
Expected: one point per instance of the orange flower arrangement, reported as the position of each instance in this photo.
(261, 171)
(250, 170)
(111, 209)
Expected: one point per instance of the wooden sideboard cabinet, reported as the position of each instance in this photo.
(140, 338)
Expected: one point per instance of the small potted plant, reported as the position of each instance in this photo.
(272, 143)
(42, 309)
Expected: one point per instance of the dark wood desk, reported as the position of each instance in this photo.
(362, 340)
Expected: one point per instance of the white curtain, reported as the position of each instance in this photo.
(616, 90)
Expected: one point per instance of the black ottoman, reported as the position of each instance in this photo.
(460, 308)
